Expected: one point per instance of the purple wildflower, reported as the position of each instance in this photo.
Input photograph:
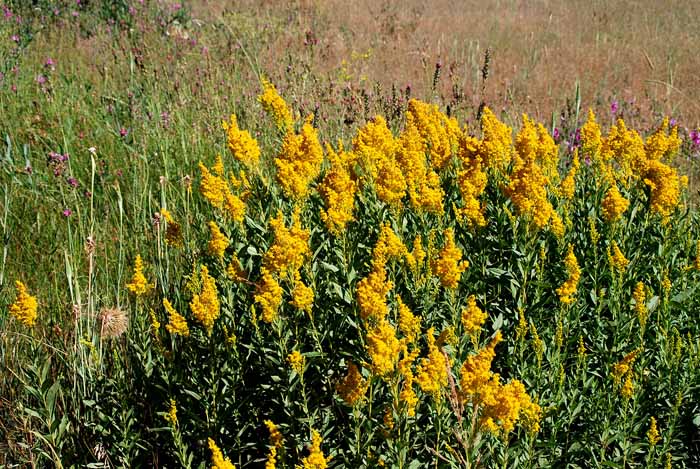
(614, 107)
(50, 63)
(673, 122)
(695, 137)
(15, 38)
(555, 134)
(41, 79)
(72, 182)
(67, 212)
(123, 132)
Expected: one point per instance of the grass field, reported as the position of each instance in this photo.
(427, 235)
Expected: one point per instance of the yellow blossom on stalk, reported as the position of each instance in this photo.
(234, 270)
(438, 131)
(410, 153)
(173, 230)
(627, 390)
(556, 225)
(302, 296)
(640, 303)
(592, 230)
(171, 416)
(383, 348)
(205, 304)
(353, 387)
(626, 147)
(234, 206)
(567, 290)
(276, 438)
(218, 241)
(431, 194)
(217, 458)
(614, 204)
(666, 284)
(624, 366)
(534, 142)
(297, 361)
(213, 187)
(476, 369)
(664, 184)
(662, 145)
(155, 324)
(408, 396)
(591, 137)
(275, 106)
(581, 350)
(618, 261)
(472, 181)
(472, 317)
(527, 189)
(139, 285)
(299, 162)
(25, 306)
(371, 294)
(338, 190)
(495, 149)
(448, 267)
(417, 255)
(568, 184)
(431, 373)
(653, 435)
(268, 296)
(374, 144)
(271, 458)
(177, 325)
(409, 324)
(243, 147)
(290, 248)
(315, 459)
(509, 401)
(389, 246)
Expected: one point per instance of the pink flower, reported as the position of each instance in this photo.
(67, 212)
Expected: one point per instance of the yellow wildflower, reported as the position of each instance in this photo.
(449, 266)
(218, 241)
(568, 185)
(476, 369)
(315, 459)
(437, 131)
(408, 396)
(590, 137)
(495, 149)
(338, 192)
(297, 361)
(171, 416)
(624, 366)
(243, 147)
(217, 458)
(205, 304)
(472, 181)
(371, 294)
(664, 184)
(177, 325)
(432, 371)
(25, 306)
(276, 438)
(527, 190)
(290, 248)
(353, 387)
(302, 296)
(627, 390)
(617, 260)
(472, 317)
(139, 285)
(568, 289)
(275, 106)
(409, 324)
(640, 303)
(212, 187)
(300, 160)
(383, 348)
(653, 435)
(271, 459)
(268, 296)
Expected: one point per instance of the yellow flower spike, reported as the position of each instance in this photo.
(171, 416)
(448, 267)
(173, 230)
(242, 145)
(302, 296)
(296, 361)
(24, 308)
(217, 458)
(591, 137)
(212, 187)
(383, 348)
(431, 373)
(409, 324)
(618, 261)
(567, 290)
(205, 304)
(177, 325)
(290, 249)
(275, 106)
(338, 190)
(268, 296)
(472, 317)
(218, 241)
(139, 286)
(371, 294)
(567, 186)
(640, 303)
(495, 149)
(299, 162)
(276, 438)
(353, 387)
(315, 459)
(653, 435)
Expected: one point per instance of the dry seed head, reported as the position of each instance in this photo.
(113, 322)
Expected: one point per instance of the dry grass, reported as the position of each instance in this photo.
(642, 51)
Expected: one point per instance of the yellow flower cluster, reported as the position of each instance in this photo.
(268, 295)
(527, 189)
(591, 137)
(431, 373)
(475, 373)
(448, 267)
(290, 248)
(472, 317)
(623, 369)
(409, 323)
(217, 190)
(408, 396)
(472, 181)
(438, 131)
(662, 145)
(177, 325)
(315, 459)
(218, 241)
(640, 303)
(338, 190)
(275, 106)
(618, 262)
(297, 361)
(171, 415)
(376, 147)
(626, 148)
(653, 435)
(25, 305)
(299, 162)
(665, 186)
(302, 296)
(568, 184)
(353, 387)
(567, 290)
(495, 148)
(614, 205)
(383, 348)
(533, 142)
(173, 230)
(276, 441)
(139, 285)
(217, 458)
(205, 304)
(243, 147)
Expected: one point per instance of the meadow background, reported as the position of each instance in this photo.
(108, 107)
